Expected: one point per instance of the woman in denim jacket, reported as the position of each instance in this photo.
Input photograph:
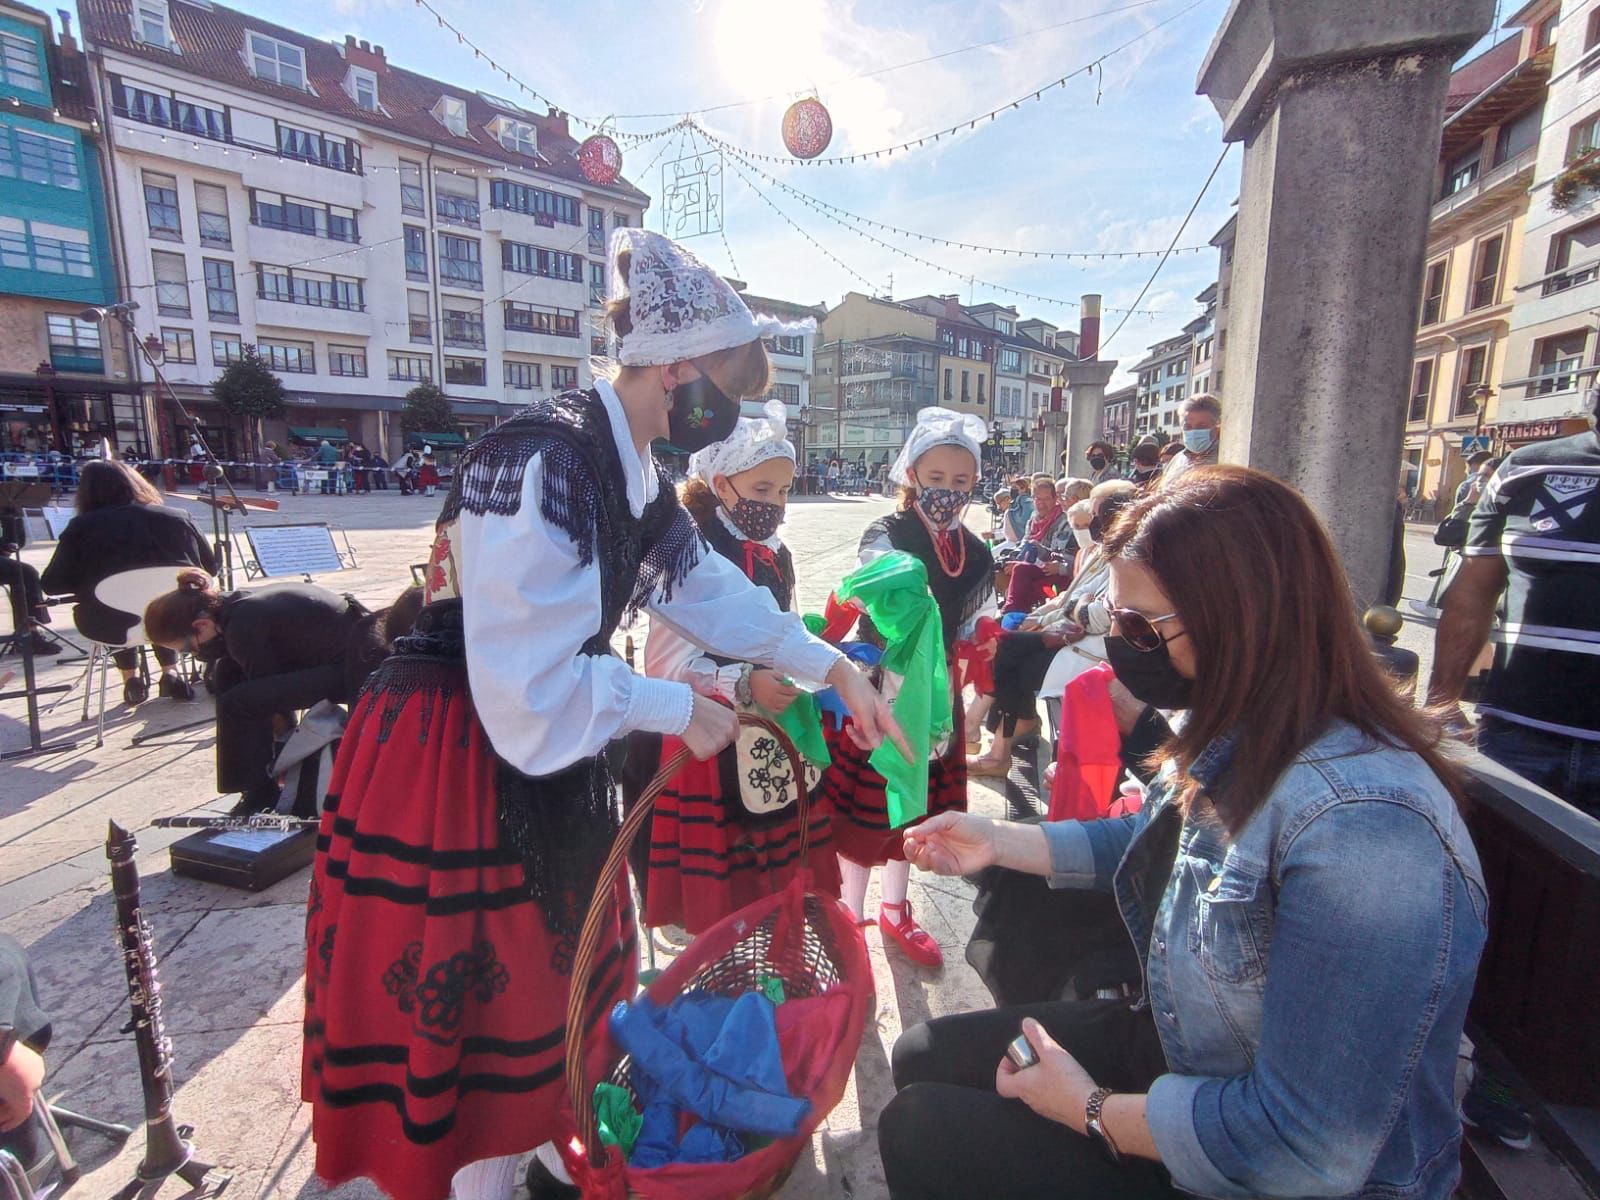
(1302, 893)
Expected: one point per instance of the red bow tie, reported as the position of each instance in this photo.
(754, 552)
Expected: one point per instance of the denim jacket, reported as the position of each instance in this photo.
(1309, 977)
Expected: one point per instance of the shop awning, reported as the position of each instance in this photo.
(435, 439)
(313, 434)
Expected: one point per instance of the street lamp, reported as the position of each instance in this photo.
(46, 373)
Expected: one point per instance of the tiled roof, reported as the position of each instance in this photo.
(787, 309)
(1471, 78)
(211, 43)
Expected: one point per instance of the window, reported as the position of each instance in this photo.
(1585, 136)
(292, 358)
(947, 393)
(522, 375)
(1433, 293)
(226, 348)
(563, 379)
(966, 393)
(19, 64)
(788, 393)
(318, 289)
(790, 344)
(533, 260)
(1461, 172)
(172, 284)
(277, 62)
(412, 199)
(347, 360)
(1557, 361)
(468, 372)
(516, 136)
(539, 318)
(1486, 275)
(459, 262)
(177, 345)
(363, 86)
(1546, 31)
(222, 297)
(417, 318)
(457, 202)
(411, 368)
(211, 208)
(1011, 362)
(620, 220)
(463, 326)
(1474, 369)
(1518, 135)
(319, 149)
(161, 206)
(597, 285)
(452, 114)
(1591, 35)
(275, 211)
(982, 379)
(552, 207)
(66, 252)
(597, 231)
(151, 23)
(416, 252)
(1573, 252)
(74, 343)
(35, 158)
(167, 111)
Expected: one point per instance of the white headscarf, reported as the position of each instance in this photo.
(752, 442)
(939, 427)
(679, 307)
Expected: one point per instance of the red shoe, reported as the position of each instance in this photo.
(913, 940)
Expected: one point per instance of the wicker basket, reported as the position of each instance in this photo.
(806, 940)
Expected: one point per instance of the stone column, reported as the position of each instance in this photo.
(1086, 413)
(1338, 104)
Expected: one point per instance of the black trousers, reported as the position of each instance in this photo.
(127, 659)
(947, 1134)
(245, 708)
(22, 582)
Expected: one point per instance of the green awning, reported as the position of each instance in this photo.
(435, 439)
(313, 435)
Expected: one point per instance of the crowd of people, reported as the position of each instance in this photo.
(1234, 958)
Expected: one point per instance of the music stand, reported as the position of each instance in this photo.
(15, 495)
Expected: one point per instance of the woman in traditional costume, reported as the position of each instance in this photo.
(472, 804)
(727, 831)
(936, 472)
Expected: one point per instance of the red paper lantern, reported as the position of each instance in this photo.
(599, 159)
(807, 128)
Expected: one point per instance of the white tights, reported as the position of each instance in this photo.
(893, 879)
(487, 1179)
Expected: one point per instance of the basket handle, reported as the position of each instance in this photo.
(589, 939)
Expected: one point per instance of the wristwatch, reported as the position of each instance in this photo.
(1095, 1128)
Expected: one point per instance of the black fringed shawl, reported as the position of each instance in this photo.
(562, 825)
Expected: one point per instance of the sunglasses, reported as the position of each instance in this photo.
(1140, 631)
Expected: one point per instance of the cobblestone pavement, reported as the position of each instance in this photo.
(231, 961)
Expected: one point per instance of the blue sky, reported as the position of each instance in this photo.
(1103, 164)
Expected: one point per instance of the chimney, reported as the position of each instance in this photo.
(952, 307)
(364, 54)
(1089, 327)
(68, 42)
(558, 122)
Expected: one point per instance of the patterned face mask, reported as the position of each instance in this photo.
(940, 505)
(758, 520)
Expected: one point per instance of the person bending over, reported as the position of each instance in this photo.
(1307, 907)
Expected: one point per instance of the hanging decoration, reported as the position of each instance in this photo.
(691, 194)
(807, 128)
(599, 159)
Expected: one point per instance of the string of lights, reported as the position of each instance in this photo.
(964, 276)
(972, 123)
(783, 216)
(1002, 251)
(916, 62)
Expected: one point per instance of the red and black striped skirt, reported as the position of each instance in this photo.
(436, 993)
(855, 793)
(705, 862)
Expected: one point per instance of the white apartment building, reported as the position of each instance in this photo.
(1551, 348)
(1163, 383)
(1202, 353)
(791, 355)
(367, 228)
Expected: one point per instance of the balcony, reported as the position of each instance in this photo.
(458, 210)
(1493, 183)
(463, 331)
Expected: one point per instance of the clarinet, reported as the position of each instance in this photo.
(257, 823)
(167, 1151)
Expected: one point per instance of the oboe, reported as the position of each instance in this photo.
(166, 1150)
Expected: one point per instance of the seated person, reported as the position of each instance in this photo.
(277, 649)
(1045, 555)
(122, 524)
(28, 609)
(1145, 464)
(24, 1036)
(1306, 906)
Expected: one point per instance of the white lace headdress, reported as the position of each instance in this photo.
(939, 427)
(752, 442)
(679, 307)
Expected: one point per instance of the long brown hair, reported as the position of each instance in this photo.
(696, 496)
(168, 618)
(1279, 653)
(106, 483)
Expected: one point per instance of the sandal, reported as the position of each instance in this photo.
(988, 768)
(913, 940)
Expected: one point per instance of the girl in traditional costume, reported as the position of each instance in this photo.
(936, 472)
(471, 805)
(727, 831)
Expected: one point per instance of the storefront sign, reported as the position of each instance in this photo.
(1529, 431)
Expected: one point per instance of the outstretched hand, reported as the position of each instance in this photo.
(951, 843)
(872, 720)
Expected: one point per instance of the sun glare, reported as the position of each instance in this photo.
(760, 52)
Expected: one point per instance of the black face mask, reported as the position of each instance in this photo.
(211, 651)
(1097, 461)
(1097, 528)
(702, 414)
(758, 520)
(1151, 677)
